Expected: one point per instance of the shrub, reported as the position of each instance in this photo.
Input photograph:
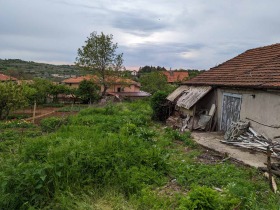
(51, 124)
(158, 104)
(201, 198)
(184, 137)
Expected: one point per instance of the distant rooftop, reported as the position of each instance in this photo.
(176, 76)
(4, 77)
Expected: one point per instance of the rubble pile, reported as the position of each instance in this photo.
(242, 135)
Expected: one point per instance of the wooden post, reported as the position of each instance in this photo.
(34, 111)
(194, 110)
(268, 151)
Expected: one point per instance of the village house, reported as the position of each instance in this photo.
(117, 86)
(6, 78)
(246, 87)
(176, 76)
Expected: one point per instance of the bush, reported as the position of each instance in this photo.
(51, 124)
(201, 198)
(158, 104)
(184, 137)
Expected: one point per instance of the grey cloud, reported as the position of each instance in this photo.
(53, 30)
(136, 24)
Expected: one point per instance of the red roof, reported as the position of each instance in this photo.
(176, 76)
(255, 68)
(110, 79)
(77, 80)
(4, 77)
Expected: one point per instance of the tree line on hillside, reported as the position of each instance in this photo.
(28, 70)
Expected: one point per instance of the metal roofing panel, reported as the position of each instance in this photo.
(177, 92)
(192, 95)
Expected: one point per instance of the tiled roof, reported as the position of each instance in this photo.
(109, 79)
(176, 76)
(4, 77)
(255, 68)
(77, 80)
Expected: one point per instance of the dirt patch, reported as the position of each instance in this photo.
(171, 188)
(54, 114)
(210, 156)
(44, 112)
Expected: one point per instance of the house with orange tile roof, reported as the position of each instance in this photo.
(6, 78)
(117, 86)
(176, 76)
(246, 87)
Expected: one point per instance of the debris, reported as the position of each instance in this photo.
(201, 120)
(242, 135)
(218, 189)
(227, 158)
(273, 182)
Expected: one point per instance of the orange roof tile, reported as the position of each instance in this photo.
(109, 79)
(4, 77)
(176, 76)
(256, 68)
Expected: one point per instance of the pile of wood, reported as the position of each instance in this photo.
(241, 135)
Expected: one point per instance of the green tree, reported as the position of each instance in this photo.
(43, 88)
(88, 91)
(155, 81)
(99, 55)
(56, 89)
(12, 97)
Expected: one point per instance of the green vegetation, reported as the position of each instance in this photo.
(115, 157)
(12, 97)
(72, 108)
(51, 124)
(156, 81)
(159, 107)
(88, 91)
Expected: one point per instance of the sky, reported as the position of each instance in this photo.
(188, 34)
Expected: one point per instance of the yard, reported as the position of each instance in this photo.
(116, 157)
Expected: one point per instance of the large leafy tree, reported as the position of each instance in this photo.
(155, 81)
(99, 55)
(12, 96)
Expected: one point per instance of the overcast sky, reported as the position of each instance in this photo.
(189, 34)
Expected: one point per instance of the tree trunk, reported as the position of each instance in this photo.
(104, 91)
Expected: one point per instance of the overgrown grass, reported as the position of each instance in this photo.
(115, 157)
(75, 108)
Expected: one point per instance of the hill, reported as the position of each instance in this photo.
(29, 69)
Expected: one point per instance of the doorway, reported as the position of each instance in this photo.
(230, 109)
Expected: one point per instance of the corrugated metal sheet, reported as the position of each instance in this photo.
(192, 95)
(177, 92)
